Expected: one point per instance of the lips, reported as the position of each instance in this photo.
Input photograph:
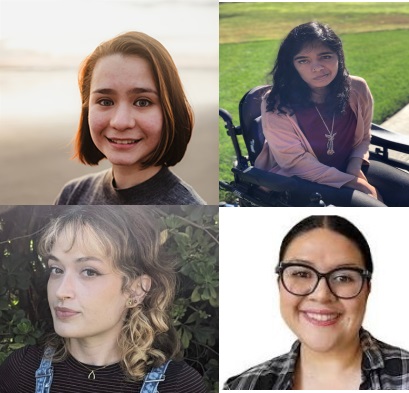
(321, 317)
(118, 141)
(317, 78)
(65, 313)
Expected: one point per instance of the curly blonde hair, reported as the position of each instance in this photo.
(129, 236)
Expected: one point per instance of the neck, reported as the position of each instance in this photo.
(339, 367)
(126, 177)
(335, 359)
(319, 95)
(92, 352)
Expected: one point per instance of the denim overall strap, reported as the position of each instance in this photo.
(152, 379)
(44, 374)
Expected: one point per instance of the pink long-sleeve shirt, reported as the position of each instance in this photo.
(287, 152)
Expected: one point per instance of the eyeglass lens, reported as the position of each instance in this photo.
(301, 280)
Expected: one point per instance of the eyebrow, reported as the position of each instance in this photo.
(78, 260)
(135, 90)
(319, 54)
(312, 264)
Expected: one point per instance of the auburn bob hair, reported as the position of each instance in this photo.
(177, 112)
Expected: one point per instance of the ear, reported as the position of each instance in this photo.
(139, 288)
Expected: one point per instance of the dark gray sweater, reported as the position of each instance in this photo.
(164, 188)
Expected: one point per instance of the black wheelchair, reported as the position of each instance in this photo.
(249, 184)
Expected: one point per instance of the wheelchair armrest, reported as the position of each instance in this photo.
(259, 177)
(389, 139)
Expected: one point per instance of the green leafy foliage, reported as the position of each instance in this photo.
(192, 236)
(189, 233)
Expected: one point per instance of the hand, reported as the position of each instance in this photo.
(361, 175)
(361, 184)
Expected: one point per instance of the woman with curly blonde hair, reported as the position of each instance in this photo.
(110, 288)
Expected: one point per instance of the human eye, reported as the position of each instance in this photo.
(90, 272)
(301, 61)
(142, 102)
(299, 272)
(345, 277)
(55, 271)
(105, 102)
(327, 57)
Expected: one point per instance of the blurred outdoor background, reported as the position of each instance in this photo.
(375, 37)
(41, 46)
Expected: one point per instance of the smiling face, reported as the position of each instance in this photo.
(316, 64)
(84, 292)
(321, 321)
(125, 114)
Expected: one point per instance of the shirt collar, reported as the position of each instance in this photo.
(372, 355)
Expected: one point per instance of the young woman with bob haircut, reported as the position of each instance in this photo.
(316, 121)
(110, 289)
(324, 280)
(136, 115)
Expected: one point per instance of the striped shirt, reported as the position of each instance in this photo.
(17, 375)
(383, 367)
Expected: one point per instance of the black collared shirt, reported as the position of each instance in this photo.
(383, 367)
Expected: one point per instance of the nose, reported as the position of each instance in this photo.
(65, 287)
(122, 117)
(322, 292)
(316, 67)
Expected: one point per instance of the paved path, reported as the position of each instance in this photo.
(399, 123)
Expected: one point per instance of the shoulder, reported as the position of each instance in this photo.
(75, 191)
(177, 191)
(359, 84)
(18, 370)
(263, 376)
(182, 378)
(393, 361)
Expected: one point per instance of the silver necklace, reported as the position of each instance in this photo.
(330, 136)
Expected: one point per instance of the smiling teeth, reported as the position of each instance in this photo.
(322, 317)
(124, 141)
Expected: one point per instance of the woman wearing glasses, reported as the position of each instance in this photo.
(324, 278)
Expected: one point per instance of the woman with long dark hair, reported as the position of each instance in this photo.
(316, 120)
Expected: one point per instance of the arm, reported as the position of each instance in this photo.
(354, 167)
(362, 103)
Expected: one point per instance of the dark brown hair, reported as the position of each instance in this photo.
(289, 90)
(336, 224)
(177, 112)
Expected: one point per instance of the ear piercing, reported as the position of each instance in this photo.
(130, 302)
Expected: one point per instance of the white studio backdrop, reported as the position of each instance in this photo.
(251, 328)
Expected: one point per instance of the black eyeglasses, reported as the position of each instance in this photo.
(302, 280)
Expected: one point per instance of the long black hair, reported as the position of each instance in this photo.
(289, 90)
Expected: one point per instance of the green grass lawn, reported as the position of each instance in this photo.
(375, 37)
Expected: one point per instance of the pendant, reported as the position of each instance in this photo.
(330, 152)
(91, 375)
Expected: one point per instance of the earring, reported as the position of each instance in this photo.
(130, 302)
